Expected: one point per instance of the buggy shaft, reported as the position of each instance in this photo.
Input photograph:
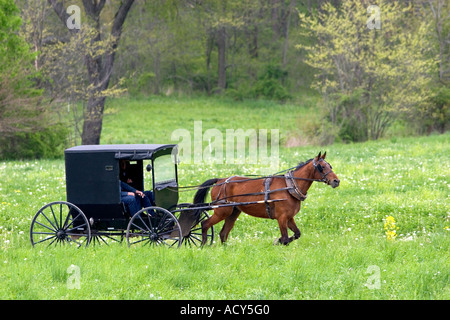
(229, 204)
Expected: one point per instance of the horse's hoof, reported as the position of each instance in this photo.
(276, 242)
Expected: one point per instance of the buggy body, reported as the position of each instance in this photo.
(94, 212)
(93, 179)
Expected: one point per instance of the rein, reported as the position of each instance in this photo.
(316, 166)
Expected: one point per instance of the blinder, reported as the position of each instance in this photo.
(318, 167)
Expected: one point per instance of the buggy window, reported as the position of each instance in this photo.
(164, 169)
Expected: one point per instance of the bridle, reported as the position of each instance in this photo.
(319, 168)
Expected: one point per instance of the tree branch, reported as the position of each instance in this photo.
(60, 10)
(116, 32)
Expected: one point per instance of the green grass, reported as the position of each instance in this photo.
(153, 120)
(343, 231)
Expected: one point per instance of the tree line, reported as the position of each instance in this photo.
(365, 77)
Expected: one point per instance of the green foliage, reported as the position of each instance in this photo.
(435, 117)
(271, 84)
(182, 50)
(10, 44)
(47, 143)
(15, 55)
(368, 78)
(26, 128)
(352, 124)
(141, 83)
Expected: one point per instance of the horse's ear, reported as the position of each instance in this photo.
(320, 153)
(324, 155)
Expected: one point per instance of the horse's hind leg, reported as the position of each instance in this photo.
(219, 215)
(229, 224)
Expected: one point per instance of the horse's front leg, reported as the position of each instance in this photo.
(283, 224)
(294, 228)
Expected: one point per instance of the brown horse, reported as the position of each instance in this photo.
(289, 189)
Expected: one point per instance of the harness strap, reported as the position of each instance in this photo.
(267, 183)
(224, 185)
(293, 187)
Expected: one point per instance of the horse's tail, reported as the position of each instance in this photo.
(200, 196)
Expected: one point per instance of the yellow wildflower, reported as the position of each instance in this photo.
(391, 228)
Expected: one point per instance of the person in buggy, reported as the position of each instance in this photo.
(134, 199)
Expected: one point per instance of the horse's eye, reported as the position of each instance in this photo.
(319, 167)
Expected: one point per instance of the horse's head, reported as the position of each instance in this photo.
(324, 171)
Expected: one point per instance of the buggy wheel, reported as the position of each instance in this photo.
(103, 237)
(191, 226)
(154, 226)
(60, 222)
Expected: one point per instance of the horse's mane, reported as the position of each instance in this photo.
(302, 164)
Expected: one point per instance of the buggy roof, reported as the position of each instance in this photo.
(126, 151)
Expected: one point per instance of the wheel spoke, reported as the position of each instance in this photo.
(60, 215)
(56, 239)
(204, 217)
(67, 220)
(194, 242)
(107, 236)
(75, 228)
(46, 239)
(73, 220)
(46, 233)
(42, 213)
(43, 225)
(150, 224)
(166, 224)
(194, 238)
(69, 239)
(141, 240)
(54, 217)
(161, 221)
(174, 243)
(145, 231)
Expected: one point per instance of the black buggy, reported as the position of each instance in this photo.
(94, 212)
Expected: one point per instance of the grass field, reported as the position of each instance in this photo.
(343, 253)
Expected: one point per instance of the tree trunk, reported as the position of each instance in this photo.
(209, 49)
(287, 24)
(442, 38)
(99, 68)
(275, 11)
(93, 119)
(221, 43)
(253, 42)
